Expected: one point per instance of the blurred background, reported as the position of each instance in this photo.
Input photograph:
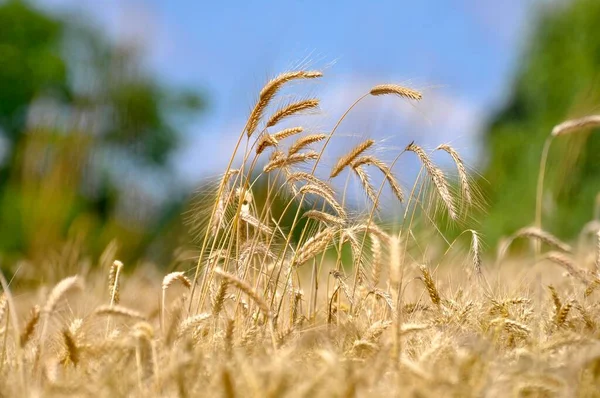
(112, 112)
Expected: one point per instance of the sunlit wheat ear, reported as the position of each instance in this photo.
(365, 182)
(29, 328)
(220, 204)
(340, 278)
(60, 290)
(561, 316)
(427, 279)
(285, 133)
(555, 300)
(571, 126)
(437, 176)
(305, 141)
(246, 288)
(71, 349)
(569, 265)
(394, 89)
(173, 277)
(280, 160)
(476, 250)
(512, 326)
(269, 91)
(314, 245)
(119, 310)
(375, 259)
(463, 177)
(168, 280)
(326, 218)
(292, 109)
(256, 223)
(385, 170)
(310, 178)
(219, 298)
(591, 288)
(535, 234)
(113, 281)
(191, 323)
(316, 190)
(345, 160)
(265, 141)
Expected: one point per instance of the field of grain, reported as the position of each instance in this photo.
(317, 299)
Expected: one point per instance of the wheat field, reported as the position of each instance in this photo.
(298, 293)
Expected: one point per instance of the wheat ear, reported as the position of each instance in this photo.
(571, 126)
(305, 141)
(246, 288)
(58, 292)
(437, 176)
(386, 89)
(350, 156)
(113, 281)
(268, 93)
(119, 310)
(389, 176)
(30, 325)
(292, 109)
(463, 176)
(281, 161)
(168, 280)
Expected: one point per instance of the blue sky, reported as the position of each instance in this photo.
(460, 53)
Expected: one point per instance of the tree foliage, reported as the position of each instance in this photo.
(558, 79)
(84, 128)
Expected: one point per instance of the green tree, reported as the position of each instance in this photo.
(75, 110)
(557, 80)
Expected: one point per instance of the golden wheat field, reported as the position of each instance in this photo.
(316, 298)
